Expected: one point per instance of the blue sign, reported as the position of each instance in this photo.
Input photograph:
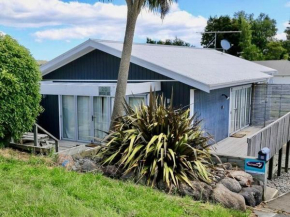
(255, 166)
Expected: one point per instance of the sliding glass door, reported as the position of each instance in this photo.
(84, 118)
(240, 108)
(68, 117)
(87, 118)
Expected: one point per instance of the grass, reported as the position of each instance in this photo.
(33, 186)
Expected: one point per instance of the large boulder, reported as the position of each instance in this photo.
(227, 198)
(253, 195)
(65, 161)
(198, 191)
(231, 184)
(245, 179)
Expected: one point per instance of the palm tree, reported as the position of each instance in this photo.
(134, 7)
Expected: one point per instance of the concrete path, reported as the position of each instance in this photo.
(279, 207)
(281, 203)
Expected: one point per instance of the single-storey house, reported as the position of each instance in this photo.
(79, 86)
(283, 70)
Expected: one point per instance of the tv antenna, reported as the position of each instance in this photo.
(215, 36)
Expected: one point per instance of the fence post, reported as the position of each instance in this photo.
(287, 156)
(56, 146)
(271, 162)
(35, 133)
(280, 162)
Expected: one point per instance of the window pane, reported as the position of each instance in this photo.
(101, 116)
(84, 119)
(136, 101)
(68, 113)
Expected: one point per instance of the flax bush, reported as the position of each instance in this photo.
(159, 143)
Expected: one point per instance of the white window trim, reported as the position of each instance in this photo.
(191, 102)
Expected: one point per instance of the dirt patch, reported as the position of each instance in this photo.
(23, 156)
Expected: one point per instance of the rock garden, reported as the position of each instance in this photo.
(160, 147)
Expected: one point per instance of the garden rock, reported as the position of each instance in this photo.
(198, 191)
(253, 195)
(231, 184)
(127, 176)
(227, 198)
(65, 161)
(88, 166)
(244, 178)
(111, 171)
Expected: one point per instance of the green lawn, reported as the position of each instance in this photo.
(33, 187)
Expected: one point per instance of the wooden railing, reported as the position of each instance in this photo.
(35, 132)
(274, 136)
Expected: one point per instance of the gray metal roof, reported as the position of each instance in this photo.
(204, 69)
(206, 66)
(282, 66)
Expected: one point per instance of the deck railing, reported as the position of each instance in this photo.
(274, 136)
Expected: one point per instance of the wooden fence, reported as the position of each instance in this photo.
(269, 102)
(273, 136)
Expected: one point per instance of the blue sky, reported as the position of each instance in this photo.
(48, 28)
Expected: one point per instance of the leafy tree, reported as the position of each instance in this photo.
(287, 31)
(222, 23)
(19, 89)
(275, 51)
(263, 29)
(176, 42)
(286, 45)
(133, 10)
(249, 51)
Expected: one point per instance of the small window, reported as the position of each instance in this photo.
(136, 101)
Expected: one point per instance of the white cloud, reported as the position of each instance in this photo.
(281, 36)
(287, 4)
(57, 20)
(2, 33)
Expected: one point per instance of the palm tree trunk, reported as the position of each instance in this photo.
(118, 109)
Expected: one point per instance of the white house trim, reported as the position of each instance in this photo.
(191, 102)
(92, 89)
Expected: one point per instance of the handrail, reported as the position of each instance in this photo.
(36, 127)
(273, 136)
(46, 132)
(270, 125)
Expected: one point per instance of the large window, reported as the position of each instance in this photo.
(136, 101)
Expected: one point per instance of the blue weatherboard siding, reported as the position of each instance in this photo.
(213, 109)
(98, 65)
(48, 119)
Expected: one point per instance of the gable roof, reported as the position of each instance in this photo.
(282, 66)
(204, 69)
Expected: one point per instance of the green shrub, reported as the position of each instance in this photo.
(160, 144)
(19, 89)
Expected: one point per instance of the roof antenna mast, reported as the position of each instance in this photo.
(215, 36)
